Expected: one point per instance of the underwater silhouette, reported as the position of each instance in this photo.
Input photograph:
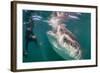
(29, 35)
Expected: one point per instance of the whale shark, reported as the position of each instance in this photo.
(64, 49)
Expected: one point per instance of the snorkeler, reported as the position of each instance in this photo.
(29, 36)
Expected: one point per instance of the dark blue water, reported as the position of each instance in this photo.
(41, 49)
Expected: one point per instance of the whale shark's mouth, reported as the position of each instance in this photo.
(64, 49)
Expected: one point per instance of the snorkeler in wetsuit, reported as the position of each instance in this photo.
(29, 36)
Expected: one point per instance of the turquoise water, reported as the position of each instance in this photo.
(42, 49)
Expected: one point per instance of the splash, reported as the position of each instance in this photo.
(36, 17)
